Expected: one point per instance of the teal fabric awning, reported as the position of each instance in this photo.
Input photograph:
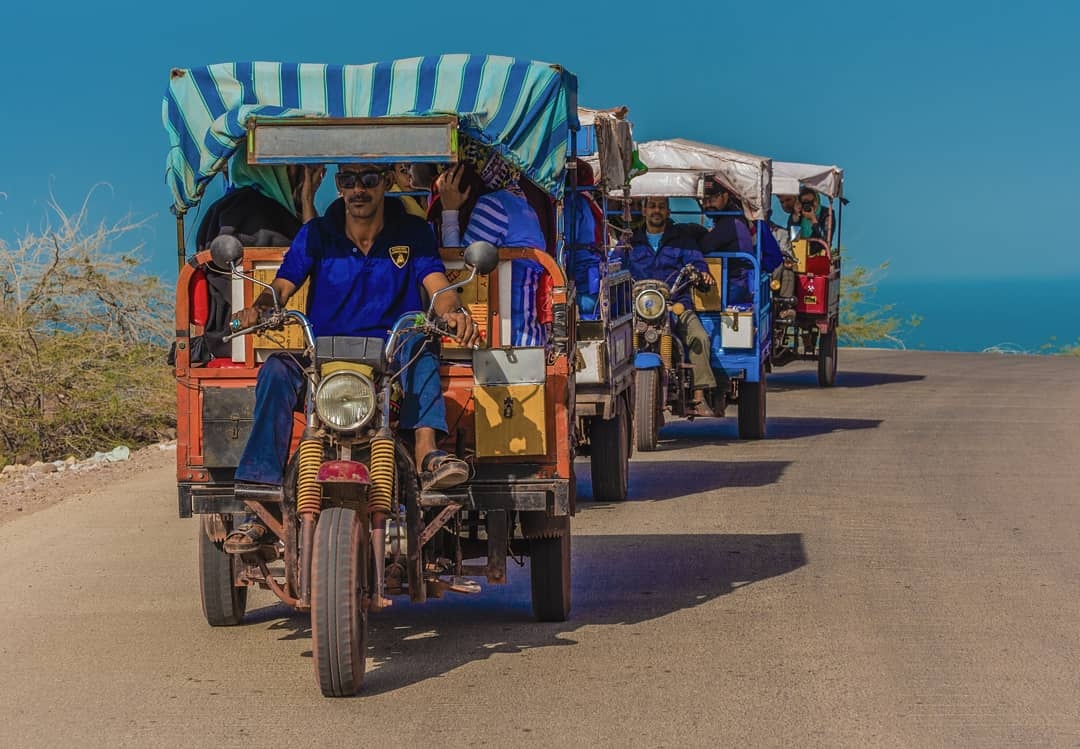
(525, 110)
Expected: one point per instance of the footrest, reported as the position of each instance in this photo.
(256, 493)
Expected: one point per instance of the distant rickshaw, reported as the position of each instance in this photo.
(806, 288)
(351, 528)
(737, 318)
(605, 377)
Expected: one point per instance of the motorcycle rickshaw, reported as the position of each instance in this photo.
(605, 377)
(739, 326)
(806, 289)
(351, 529)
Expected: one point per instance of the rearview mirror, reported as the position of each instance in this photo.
(483, 256)
(226, 251)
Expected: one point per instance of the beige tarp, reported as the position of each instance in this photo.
(614, 145)
(788, 176)
(678, 167)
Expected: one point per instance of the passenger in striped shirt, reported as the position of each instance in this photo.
(505, 219)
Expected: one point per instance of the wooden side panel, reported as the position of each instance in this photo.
(292, 337)
(475, 298)
(709, 301)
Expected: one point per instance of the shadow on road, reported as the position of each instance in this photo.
(807, 380)
(619, 580)
(724, 431)
(660, 480)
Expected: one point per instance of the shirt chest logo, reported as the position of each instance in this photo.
(400, 255)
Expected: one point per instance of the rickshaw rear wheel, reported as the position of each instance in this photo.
(826, 365)
(610, 454)
(339, 619)
(646, 407)
(752, 408)
(549, 573)
(223, 603)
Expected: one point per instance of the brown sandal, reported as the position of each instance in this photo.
(701, 408)
(244, 538)
(440, 470)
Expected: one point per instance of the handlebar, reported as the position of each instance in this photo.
(687, 275)
(421, 322)
(274, 319)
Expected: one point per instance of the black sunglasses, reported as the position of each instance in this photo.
(349, 180)
(808, 205)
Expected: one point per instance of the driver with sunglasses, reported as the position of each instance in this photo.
(367, 261)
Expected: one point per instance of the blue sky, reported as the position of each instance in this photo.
(955, 121)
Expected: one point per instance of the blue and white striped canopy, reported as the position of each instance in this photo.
(523, 109)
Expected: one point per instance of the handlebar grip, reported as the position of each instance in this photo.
(267, 319)
(440, 326)
(238, 333)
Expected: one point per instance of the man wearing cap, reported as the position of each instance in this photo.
(730, 232)
(367, 262)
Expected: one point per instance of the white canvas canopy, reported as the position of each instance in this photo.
(789, 176)
(678, 167)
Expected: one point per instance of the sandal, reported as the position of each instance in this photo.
(440, 470)
(701, 408)
(244, 538)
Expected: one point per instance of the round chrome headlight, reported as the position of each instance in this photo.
(345, 400)
(650, 305)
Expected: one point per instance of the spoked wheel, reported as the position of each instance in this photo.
(223, 603)
(646, 409)
(610, 454)
(826, 364)
(550, 576)
(752, 408)
(338, 612)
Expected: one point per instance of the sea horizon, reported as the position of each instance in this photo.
(1025, 315)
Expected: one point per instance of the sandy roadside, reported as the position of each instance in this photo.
(25, 494)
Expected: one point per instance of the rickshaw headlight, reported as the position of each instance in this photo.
(650, 305)
(345, 401)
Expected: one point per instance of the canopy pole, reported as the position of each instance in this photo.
(181, 249)
(839, 221)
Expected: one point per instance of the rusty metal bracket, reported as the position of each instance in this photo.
(268, 519)
(276, 587)
(440, 520)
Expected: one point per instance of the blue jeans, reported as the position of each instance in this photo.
(279, 391)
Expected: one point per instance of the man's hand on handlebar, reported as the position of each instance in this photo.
(703, 281)
(464, 328)
(246, 317)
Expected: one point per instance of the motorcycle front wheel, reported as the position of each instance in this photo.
(339, 618)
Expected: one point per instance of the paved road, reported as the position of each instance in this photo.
(898, 565)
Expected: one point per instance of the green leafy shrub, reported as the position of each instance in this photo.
(863, 322)
(84, 332)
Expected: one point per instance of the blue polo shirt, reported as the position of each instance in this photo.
(353, 294)
(677, 247)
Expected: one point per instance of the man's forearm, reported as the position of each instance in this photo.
(283, 289)
(447, 302)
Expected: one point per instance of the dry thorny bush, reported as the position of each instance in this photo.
(83, 336)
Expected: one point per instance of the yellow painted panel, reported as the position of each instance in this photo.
(709, 301)
(510, 420)
(475, 298)
(800, 248)
(292, 337)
